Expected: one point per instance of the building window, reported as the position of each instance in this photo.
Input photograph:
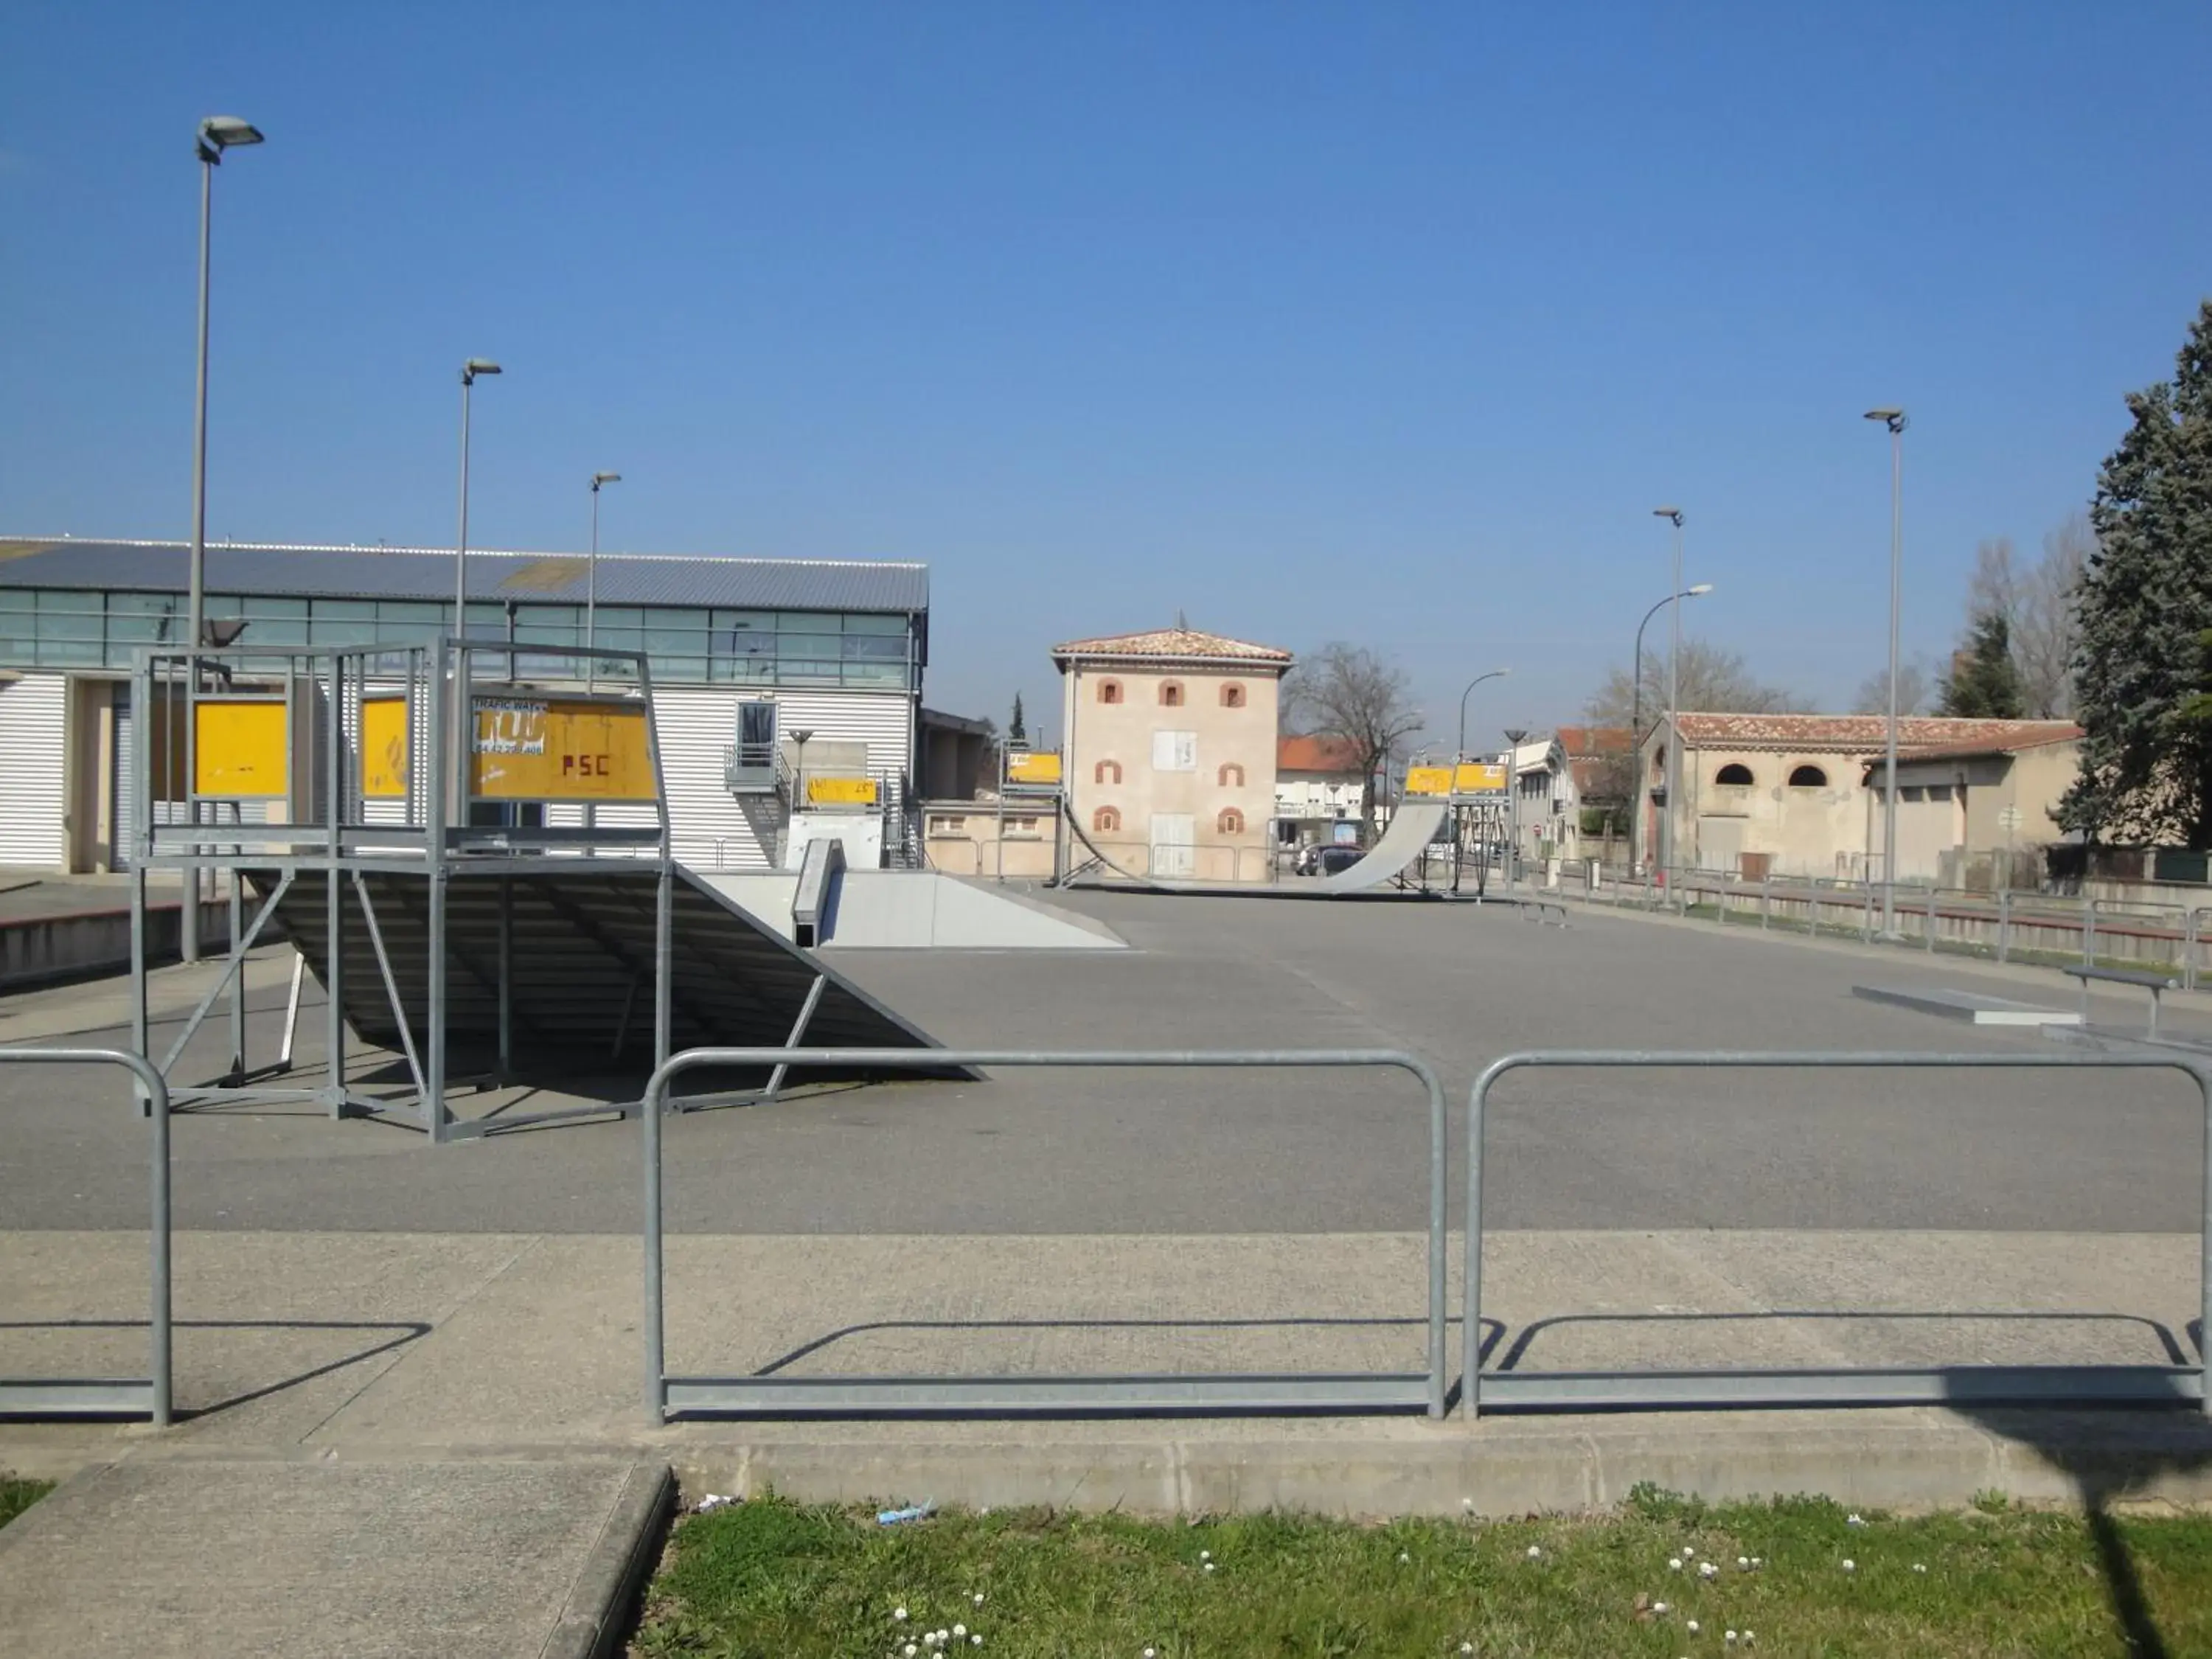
(1231, 822)
(1736, 773)
(1175, 751)
(947, 826)
(1106, 818)
(1170, 694)
(1231, 776)
(1232, 695)
(1109, 690)
(1022, 826)
(1911, 791)
(1808, 777)
(1106, 771)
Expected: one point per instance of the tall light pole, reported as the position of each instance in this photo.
(592, 575)
(1894, 420)
(217, 133)
(1459, 754)
(469, 370)
(1515, 735)
(1636, 719)
(1674, 710)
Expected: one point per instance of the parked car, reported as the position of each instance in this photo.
(1333, 859)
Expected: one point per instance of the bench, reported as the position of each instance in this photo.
(2156, 984)
(1541, 910)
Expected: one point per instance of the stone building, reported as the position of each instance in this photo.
(1170, 751)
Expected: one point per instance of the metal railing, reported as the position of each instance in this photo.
(777, 1395)
(148, 1396)
(2006, 925)
(1712, 1389)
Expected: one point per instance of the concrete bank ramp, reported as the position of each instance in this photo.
(204, 1559)
(921, 910)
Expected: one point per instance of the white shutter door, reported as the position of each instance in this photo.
(31, 739)
(1174, 838)
(1175, 751)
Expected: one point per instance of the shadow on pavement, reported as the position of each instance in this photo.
(404, 1331)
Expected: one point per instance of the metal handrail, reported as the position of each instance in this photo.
(150, 1397)
(770, 1395)
(1823, 1386)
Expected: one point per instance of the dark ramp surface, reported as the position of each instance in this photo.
(583, 965)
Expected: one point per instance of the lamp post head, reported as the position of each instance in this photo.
(1892, 418)
(1698, 591)
(599, 478)
(220, 133)
(477, 366)
(1673, 515)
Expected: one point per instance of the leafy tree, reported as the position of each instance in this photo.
(1983, 684)
(1016, 732)
(2146, 603)
(1347, 691)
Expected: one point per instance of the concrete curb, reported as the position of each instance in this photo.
(595, 1620)
(1491, 1472)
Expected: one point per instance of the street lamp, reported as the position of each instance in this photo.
(1459, 754)
(1636, 719)
(469, 370)
(217, 133)
(1515, 736)
(592, 572)
(1667, 850)
(1894, 420)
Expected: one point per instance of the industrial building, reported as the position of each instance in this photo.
(786, 693)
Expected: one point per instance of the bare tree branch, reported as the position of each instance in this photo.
(1915, 683)
(1346, 691)
(2046, 622)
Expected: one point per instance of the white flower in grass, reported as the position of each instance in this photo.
(1853, 1520)
(979, 1598)
(1849, 1566)
(1691, 1625)
(977, 1638)
(899, 1613)
(959, 1630)
(1673, 1563)
(1535, 1552)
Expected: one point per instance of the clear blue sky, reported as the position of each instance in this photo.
(1383, 322)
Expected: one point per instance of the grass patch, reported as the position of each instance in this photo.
(774, 1578)
(16, 1496)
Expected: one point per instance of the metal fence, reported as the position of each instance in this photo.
(1005, 1396)
(1977, 1384)
(2029, 927)
(147, 1396)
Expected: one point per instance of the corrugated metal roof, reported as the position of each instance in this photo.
(426, 573)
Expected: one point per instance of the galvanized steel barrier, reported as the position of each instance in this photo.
(1708, 1388)
(764, 1396)
(147, 1396)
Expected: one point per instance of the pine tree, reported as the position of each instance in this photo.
(1983, 684)
(2146, 600)
(1016, 732)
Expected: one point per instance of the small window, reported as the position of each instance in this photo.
(1734, 773)
(1231, 822)
(947, 826)
(1938, 791)
(1106, 771)
(1808, 777)
(1026, 826)
(1106, 818)
(1231, 776)
(1109, 690)
(1232, 695)
(1170, 694)
(1911, 791)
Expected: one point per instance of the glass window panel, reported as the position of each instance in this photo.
(538, 633)
(343, 609)
(340, 630)
(808, 645)
(267, 630)
(874, 673)
(808, 622)
(758, 622)
(130, 604)
(745, 671)
(426, 614)
(621, 616)
(667, 670)
(807, 668)
(689, 616)
(62, 653)
(868, 622)
(876, 647)
(18, 599)
(69, 625)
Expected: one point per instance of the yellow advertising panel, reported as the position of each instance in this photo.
(841, 792)
(384, 748)
(1475, 778)
(1037, 766)
(560, 750)
(241, 748)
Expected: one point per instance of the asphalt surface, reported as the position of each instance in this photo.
(1238, 1151)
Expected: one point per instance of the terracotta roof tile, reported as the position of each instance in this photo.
(1181, 644)
(1863, 734)
(1329, 755)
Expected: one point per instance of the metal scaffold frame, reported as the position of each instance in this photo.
(340, 814)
